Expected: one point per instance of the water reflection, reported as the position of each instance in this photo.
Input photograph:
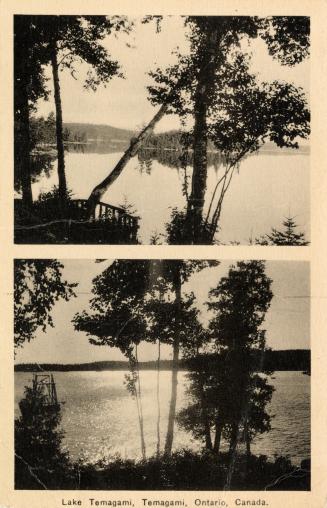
(175, 159)
(94, 147)
(41, 167)
(263, 191)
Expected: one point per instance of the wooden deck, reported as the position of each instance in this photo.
(108, 224)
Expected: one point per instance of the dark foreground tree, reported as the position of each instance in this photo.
(210, 411)
(40, 462)
(29, 86)
(38, 284)
(240, 302)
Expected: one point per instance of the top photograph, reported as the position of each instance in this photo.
(171, 130)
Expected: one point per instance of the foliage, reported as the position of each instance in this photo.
(169, 319)
(127, 301)
(287, 236)
(240, 302)
(230, 107)
(28, 42)
(38, 284)
(188, 470)
(78, 39)
(287, 38)
(179, 230)
(40, 461)
(43, 132)
(227, 397)
(116, 317)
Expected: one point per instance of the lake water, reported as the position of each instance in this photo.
(267, 187)
(99, 415)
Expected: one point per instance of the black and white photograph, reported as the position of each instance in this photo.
(161, 129)
(162, 374)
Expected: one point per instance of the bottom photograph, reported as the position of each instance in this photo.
(162, 374)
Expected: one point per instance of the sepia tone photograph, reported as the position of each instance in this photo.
(162, 375)
(161, 129)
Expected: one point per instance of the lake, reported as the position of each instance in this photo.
(99, 415)
(267, 187)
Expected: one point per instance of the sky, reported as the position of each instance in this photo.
(123, 103)
(287, 321)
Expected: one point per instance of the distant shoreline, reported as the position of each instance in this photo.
(282, 360)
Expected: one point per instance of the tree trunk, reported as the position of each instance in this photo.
(199, 176)
(205, 417)
(59, 128)
(23, 152)
(158, 400)
(174, 376)
(22, 120)
(207, 430)
(218, 432)
(232, 455)
(139, 394)
(247, 439)
(98, 191)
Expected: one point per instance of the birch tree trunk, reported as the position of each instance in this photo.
(174, 376)
(158, 399)
(98, 191)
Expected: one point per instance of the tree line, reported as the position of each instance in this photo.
(289, 359)
(43, 132)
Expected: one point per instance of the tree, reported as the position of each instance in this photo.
(71, 39)
(38, 284)
(117, 318)
(176, 322)
(208, 86)
(29, 86)
(239, 303)
(39, 459)
(287, 236)
(129, 306)
(61, 41)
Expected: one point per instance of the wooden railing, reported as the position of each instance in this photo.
(107, 223)
(103, 212)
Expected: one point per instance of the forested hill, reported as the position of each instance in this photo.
(43, 131)
(98, 133)
(290, 359)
